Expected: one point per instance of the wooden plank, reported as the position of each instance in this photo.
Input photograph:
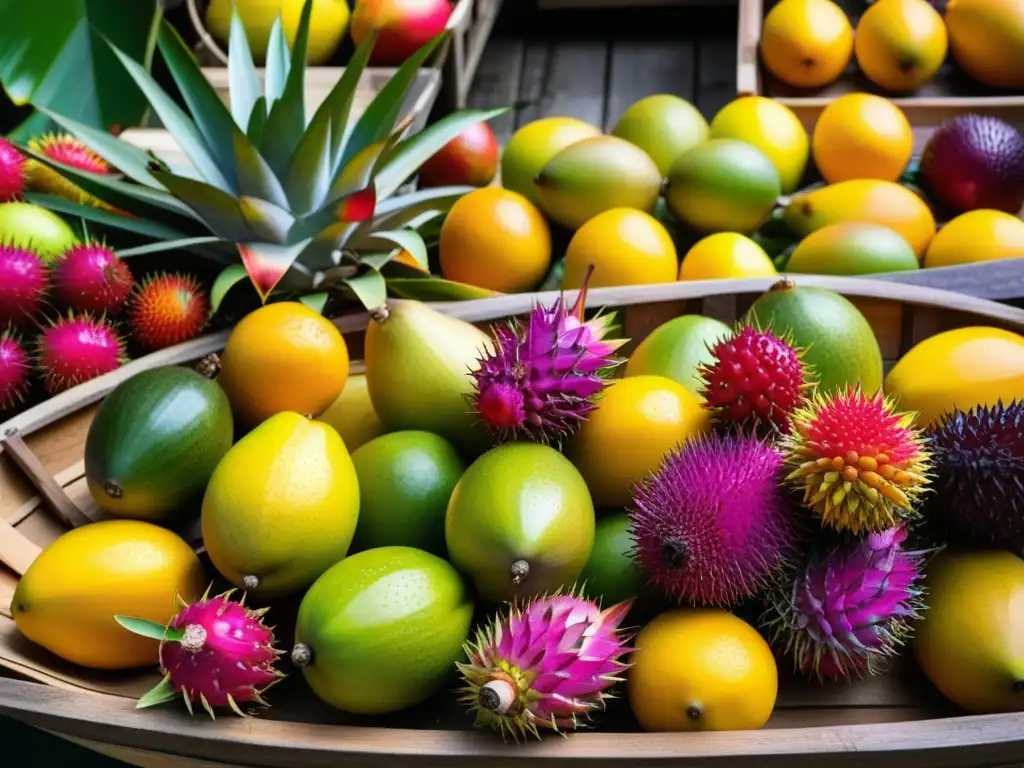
(564, 77)
(497, 82)
(642, 67)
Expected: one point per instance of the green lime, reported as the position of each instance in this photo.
(381, 630)
(675, 349)
(405, 481)
(611, 574)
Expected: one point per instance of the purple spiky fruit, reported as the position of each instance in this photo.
(849, 608)
(90, 277)
(15, 368)
(13, 176)
(23, 281)
(77, 348)
(713, 526)
(545, 666)
(975, 161)
(978, 460)
(545, 376)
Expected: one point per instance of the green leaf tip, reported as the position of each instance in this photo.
(150, 629)
(160, 693)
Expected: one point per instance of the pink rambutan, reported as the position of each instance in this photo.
(13, 173)
(167, 310)
(849, 608)
(90, 277)
(15, 367)
(713, 526)
(545, 665)
(544, 376)
(65, 149)
(23, 281)
(215, 651)
(860, 464)
(755, 380)
(77, 348)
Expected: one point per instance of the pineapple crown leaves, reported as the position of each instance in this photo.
(269, 190)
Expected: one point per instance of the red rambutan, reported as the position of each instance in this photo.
(15, 367)
(90, 277)
(167, 310)
(67, 150)
(23, 279)
(77, 348)
(13, 174)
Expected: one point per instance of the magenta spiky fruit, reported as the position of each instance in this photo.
(861, 464)
(850, 608)
(77, 348)
(547, 665)
(544, 377)
(13, 176)
(755, 380)
(167, 310)
(216, 652)
(978, 457)
(90, 277)
(15, 367)
(712, 526)
(23, 282)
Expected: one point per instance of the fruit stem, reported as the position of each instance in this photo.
(380, 314)
(113, 490)
(251, 582)
(302, 655)
(194, 638)
(520, 570)
(674, 553)
(785, 284)
(209, 366)
(694, 712)
(1018, 686)
(497, 696)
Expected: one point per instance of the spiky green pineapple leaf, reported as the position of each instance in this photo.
(211, 116)
(378, 121)
(267, 263)
(417, 149)
(161, 693)
(287, 119)
(138, 226)
(397, 212)
(277, 63)
(405, 239)
(436, 289)
(216, 208)
(226, 280)
(343, 95)
(243, 80)
(255, 176)
(309, 170)
(369, 287)
(125, 156)
(179, 124)
(351, 208)
(257, 122)
(185, 243)
(316, 301)
(265, 220)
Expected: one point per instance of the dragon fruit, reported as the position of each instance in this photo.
(90, 276)
(544, 377)
(15, 367)
(215, 651)
(77, 348)
(23, 280)
(12, 172)
(850, 608)
(861, 465)
(546, 665)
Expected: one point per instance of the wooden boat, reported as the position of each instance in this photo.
(896, 719)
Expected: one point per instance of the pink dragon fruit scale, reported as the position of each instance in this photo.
(545, 666)
(545, 376)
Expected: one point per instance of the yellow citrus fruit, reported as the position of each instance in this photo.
(496, 239)
(723, 255)
(981, 235)
(771, 127)
(625, 246)
(961, 368)
(806, 43)
(283, 357)
(68, 597)
(701, 669)
(639, 419)
(900, 44)
(862, 136)
(352, 414)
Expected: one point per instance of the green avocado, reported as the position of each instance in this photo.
(155, 441)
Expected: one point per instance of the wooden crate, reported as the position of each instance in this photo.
(894, 720)
(553, 4)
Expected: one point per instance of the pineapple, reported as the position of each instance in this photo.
(306, 209)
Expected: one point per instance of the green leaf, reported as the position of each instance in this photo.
(416, 150)
(397, 212)
(148, 628)
(366, 176)
(243, 80)
(315, 301)
(265, 220)
(180, 125)
(255, 177)
(146, 227)
(436, 289)
(161, 693)
(210, 114)
(406, 239)
(257, 122)
(309, 170)
(53, 56)
(287, 119)
(225, 281)
(266, 263)
(277, 66)
(338, 104)
(369, 287)
(167, 245)
(378, 121)
(217, 209)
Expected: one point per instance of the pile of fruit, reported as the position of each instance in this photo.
(897, 45)
(530, 512)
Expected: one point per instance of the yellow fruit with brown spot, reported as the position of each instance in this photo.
(862, 136)
(806, 43)
(980, 235)
(352, 414)
(987, 40)
(900, 44)
(961, 368)
(625, 247)
(639, 419)
(701, 669)
(68, 597)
